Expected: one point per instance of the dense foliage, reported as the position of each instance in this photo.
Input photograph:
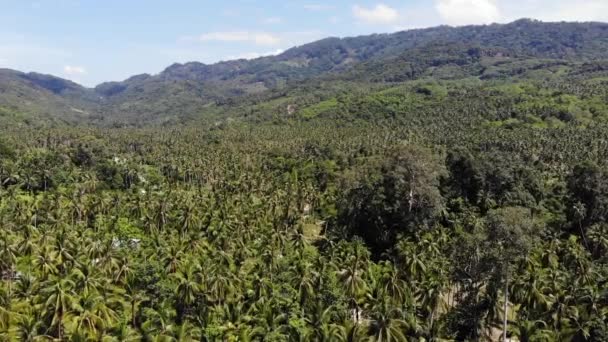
(440, 193)
(186, 91)
(403, 228)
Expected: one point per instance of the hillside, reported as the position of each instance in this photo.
(37, 97)
(185, 91)
(446, 184)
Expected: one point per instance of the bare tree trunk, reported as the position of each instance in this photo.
(133, 323)
(506, 312)
(11, 273)
(580, 227)
(411, 200)
(411, 194)
(60, 327)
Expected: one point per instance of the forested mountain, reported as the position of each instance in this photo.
(33, 97)
(183, 91)
(446, 184)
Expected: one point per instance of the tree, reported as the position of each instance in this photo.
(187, 290)
(352, 279)
(510, 235)
(87, 318)
(58, 303)
(387, 324)
(399, 195)
(588, 204)
(134, 297)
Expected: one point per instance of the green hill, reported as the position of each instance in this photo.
(446, 184)
(185, 92)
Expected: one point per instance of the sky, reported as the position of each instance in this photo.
(93, 41)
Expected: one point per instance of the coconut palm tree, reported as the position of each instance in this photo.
(532, 331)
(386, 323)
(58, 303)
(122, 333)
(87, 279)
(159, 323)
(87, 319)
(29, 327)
(351, 278)
(5, 309)
(187, 290)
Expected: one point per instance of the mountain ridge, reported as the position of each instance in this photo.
(181, 91)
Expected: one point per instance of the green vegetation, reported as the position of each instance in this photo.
(427, 192)
(185, 92)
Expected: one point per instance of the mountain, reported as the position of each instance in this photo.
(187, 91)
(44, 97)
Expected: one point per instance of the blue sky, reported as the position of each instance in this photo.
(91, 41)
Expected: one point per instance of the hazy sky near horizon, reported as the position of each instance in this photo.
(92, 41)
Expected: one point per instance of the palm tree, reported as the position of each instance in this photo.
(187, 290)
(269, 324)
(123, 270)
(87, 279)
(184, 332)
(58, 304)
(347, 331)
(413, 260)
(8, 259)
(122, 333)
(26, 287)
(220, 287)
(172, 258)
(64, 248)
(431, 301)
(304, 281)
(395, 287)
(188, 219)
(351, 278)
(5, 309)
(159, 323)
(45, 263)
(319, 322)
(532, 331)
(28, 329)
(86, 315)
(386, 324)
(529, 289)
(133, 296)
(236, 317)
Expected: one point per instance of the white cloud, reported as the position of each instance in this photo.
(74, 70)
(466, 12)
(254, 55)
(257, 38)
(581, 10)
(3, 61)
(380, 14)
(288, 38)
(74, 73)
